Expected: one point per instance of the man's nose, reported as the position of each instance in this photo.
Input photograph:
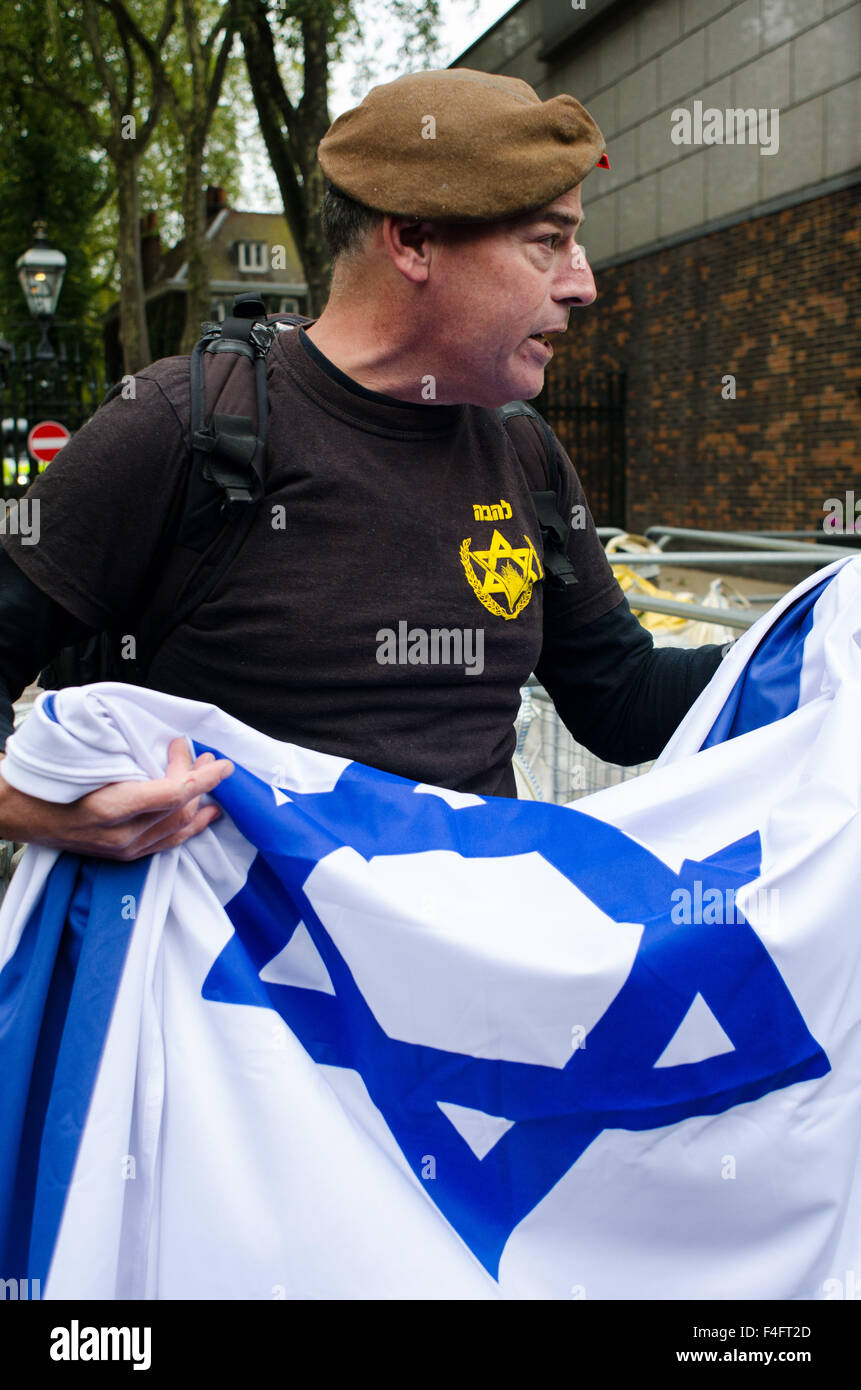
(576, 284)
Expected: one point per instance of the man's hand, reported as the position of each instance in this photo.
(123, 820)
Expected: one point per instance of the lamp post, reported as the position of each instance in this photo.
(41, 271)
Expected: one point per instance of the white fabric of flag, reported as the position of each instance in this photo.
(364, 1038)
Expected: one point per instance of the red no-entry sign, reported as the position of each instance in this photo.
(46, 439)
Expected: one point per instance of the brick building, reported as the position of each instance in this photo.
(724, 269)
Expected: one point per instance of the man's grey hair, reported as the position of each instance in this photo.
(346, 223)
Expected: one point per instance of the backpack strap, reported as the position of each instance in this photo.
(228, 425)
(535, 446)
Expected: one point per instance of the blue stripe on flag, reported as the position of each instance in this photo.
(34, 993)
(56, 998)
(48, 707)
(768, 687)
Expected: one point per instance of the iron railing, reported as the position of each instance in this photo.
(587, 413)
(64, 389)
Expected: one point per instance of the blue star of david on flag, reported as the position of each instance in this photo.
(550, 1114)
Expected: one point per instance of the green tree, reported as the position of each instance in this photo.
(191, 70)
(89, 65)
(120, 129)
(289, 48)
(50, 171)
(135, 80)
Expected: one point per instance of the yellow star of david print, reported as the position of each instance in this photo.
(502, 569)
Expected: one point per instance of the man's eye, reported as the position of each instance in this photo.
(552, 240)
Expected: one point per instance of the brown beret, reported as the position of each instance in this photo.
(459, 145)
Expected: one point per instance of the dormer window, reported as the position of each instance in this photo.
(253, 255)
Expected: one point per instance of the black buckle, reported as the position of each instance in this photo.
(248, 305)
(554, 534)
(549, 519)
(230, 445)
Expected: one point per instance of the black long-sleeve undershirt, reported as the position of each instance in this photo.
(32, 629)
(618, 694)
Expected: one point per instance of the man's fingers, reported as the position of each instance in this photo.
(160, 835)
(190, 809)
(123, 819)
(178, 757)
(123, 801)
(179, 763)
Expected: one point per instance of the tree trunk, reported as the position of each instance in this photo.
(292, 134)
(134, 335)
(312, 126)
(207, 78)
(198, 301)
(312, 247)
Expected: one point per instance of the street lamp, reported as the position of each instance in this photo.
(41, 271)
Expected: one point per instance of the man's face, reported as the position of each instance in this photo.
(500, 291)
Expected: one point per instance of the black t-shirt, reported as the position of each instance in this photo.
(388, 602)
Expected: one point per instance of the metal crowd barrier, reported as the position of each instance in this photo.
(551, 765)
(724, 617)
(748, 540)
(716, 559)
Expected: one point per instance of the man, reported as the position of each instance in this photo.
(395, 502)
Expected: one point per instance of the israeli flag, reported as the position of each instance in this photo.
(364, 1038)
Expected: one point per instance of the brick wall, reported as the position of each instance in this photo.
(774, 302)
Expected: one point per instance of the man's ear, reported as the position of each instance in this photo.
(409, 244)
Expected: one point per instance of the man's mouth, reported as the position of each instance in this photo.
(544, 340)
(545, 334)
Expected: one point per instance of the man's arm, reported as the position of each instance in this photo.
(618, 694)
(33, 628)
(124, 820)
(104, 505)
